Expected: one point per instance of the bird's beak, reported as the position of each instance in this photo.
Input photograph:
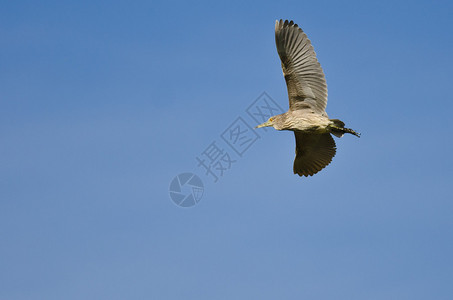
(266, 124)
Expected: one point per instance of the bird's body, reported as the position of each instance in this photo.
(307, 93)
(298, 120)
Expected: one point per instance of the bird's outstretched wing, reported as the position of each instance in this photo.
(313, 152)
(307, 88)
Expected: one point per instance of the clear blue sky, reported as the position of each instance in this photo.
(104, 102)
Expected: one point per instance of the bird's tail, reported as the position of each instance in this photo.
(338, 129)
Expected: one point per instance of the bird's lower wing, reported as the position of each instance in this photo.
(313, 152)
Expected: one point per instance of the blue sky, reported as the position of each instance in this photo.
(103, 103)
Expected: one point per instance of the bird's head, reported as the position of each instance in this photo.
(274, 121)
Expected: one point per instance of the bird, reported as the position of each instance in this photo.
(307, 93)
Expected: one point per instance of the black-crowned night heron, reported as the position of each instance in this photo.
(307, 92)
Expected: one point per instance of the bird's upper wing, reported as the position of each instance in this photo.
(307, 88)
(313, 152)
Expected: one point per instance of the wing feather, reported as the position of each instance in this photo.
(313, 152)
(304, 77)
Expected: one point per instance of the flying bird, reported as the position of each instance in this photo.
(307, 93)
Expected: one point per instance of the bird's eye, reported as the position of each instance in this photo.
(271, 119)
